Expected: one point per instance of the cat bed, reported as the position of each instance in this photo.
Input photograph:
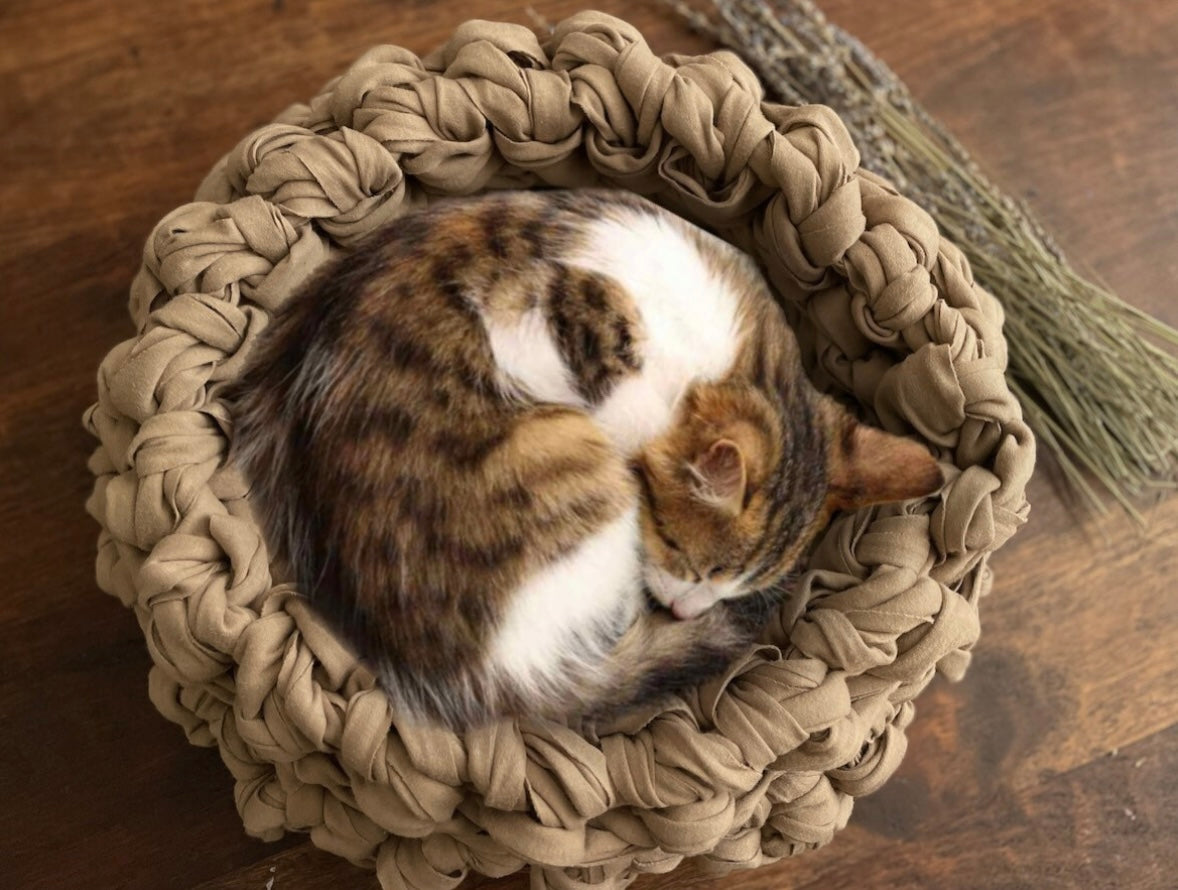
(761, 763)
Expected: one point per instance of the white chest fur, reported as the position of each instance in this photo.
(568, 615)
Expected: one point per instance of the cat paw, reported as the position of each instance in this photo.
(685, 599)
(660, 584)
(694, 603)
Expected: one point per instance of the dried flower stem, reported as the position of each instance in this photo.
(1097, 378)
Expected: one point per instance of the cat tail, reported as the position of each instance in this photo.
(660, 655)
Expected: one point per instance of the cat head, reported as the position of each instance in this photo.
(741, 484)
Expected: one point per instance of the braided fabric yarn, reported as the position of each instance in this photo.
(761, 763)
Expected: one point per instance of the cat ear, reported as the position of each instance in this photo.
(869, 466)
(721, 476)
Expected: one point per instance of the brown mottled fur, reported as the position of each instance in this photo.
(411, 497)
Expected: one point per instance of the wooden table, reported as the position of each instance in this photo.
(1052, 766)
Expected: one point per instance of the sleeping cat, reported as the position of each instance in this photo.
(482, 437)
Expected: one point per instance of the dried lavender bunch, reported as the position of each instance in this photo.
(1097, 378)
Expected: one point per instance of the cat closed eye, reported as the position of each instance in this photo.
(717, 570)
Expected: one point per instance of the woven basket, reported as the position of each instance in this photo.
(759, 764)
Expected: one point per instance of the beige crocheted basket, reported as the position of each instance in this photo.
(760, 764)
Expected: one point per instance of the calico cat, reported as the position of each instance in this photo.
(482, 437)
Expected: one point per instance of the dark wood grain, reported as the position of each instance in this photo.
(1051, 766)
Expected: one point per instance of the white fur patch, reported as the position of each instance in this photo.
(690, 317)
(529, 361)
(572, 609)
(633, 413)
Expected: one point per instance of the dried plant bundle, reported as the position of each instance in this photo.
(1097, 378)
